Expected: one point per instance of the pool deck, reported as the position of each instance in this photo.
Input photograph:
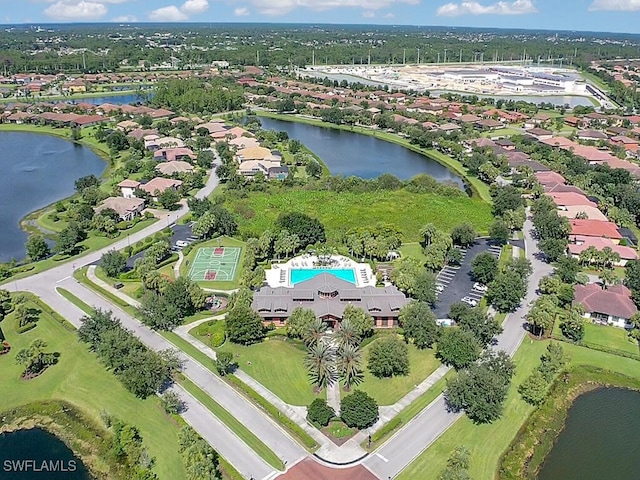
(279, 275)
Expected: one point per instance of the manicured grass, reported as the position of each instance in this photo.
(413, 249)
(610, 337)
(210, 333)
(278, 366)
(81, 380)
(487, 442)
(75, 300)
(339, 430)
(235, 425)
(220, 241)
(130, 287)
(340, 211)
(388, 391)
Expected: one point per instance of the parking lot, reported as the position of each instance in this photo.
(457, 282)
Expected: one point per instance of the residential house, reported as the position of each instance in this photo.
(580, 243)
(174, 167)
(158, 185)
(594, 135)
(594, 228)
(570, 199)
(173, 154)
(128, 188)
(540, 133)
(575, 211)
(629, 144)
(612, 306)
(126, 208)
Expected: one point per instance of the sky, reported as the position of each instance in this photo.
(586, 15)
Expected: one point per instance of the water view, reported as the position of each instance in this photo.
(37, 454)
(599, 440)
(38, 170)
(347, 153)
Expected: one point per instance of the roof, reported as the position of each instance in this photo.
(549, 177)
(582, 243)
(592, 213)
(615, 301)
(177, 166)
(254, 153)
(327, 294)
(594, 228)
(160, 184)
(570, 199)
(128, 183)
(121, 205)
(592, 134)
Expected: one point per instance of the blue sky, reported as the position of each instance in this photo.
(592, 15)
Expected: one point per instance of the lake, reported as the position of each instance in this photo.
(38, 170)
(37, 454)
(599, 440)
(348, 153)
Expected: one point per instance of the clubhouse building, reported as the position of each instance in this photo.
(328, 296)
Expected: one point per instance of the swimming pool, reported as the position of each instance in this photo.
(302, 274)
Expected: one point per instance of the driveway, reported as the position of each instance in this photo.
(457, 281)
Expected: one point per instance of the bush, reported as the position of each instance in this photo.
(224, 363)
(534, 389)
(172, 403)
(359, 410)
(319, 412)
(389, 356)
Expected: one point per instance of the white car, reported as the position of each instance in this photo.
(439, 288)
(469, 301)
(480, 287)
(182, 243)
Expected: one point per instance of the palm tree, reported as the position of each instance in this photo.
(347, 334)
(608, 277)
(349, 360)
(321, 365)
(315, 332)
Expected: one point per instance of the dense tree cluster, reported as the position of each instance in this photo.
(374, 241)
(309, 230)
(552, 229)
(480, 390)
(475, 320)
(244, 325)
(141, 370)
(200, 460)
(165, 308)
(358, 410)
(419, 324)
(388, 357)
(458, 348)
(510, 285)
(534, 388)
(194, 95)
(128, 449)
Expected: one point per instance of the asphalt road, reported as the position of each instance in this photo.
(44, 286)
(393, 457)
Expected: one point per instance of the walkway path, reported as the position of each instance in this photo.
(91, 275)
(390, 459)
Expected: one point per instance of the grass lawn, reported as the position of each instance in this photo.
(413, 249)
(611, 337)
(81, 380)
(487, 442)
(220, 241)
(277, 365)
(388, 391)
(340, 211)
(130, 287)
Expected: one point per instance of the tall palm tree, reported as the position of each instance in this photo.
(347, 334)
(349, 361)
(321, 365)
(315, 332)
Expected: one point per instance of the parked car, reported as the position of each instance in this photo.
(480, 287)
(182, 243)
(470, 301)
(439, 288)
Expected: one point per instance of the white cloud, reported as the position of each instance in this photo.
(191, 7)
(76, 10)
(241, 12)
(282, 7)
(173, 13)
(390, 15)
(615, 5)
(517, 7)
(168, 14)
(125, 19)
(368, 14)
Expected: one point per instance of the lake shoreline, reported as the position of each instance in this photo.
(70, 425)
(477, 188)
(529, 449)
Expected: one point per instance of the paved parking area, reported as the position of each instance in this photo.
(457, 281)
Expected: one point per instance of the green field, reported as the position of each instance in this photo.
(388, 391)
(278, 366)
(81, 380)
(610, 337)
(487, 442)
(341, 211)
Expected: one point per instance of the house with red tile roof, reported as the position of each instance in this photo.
(128, 188)
(547, 178)
(582, 243)
(629, 144)
(570, 199)
(612, 306)
(594, 228)
(173, 154)
(158, 185)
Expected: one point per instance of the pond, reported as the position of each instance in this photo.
(347, 153)
(600, 438)
(37, 454)
(38, 170)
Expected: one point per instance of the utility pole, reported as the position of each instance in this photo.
(404, 56)
(418, 55)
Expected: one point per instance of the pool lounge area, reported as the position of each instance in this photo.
(306, 267)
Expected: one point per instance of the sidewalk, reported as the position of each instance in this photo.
(91, 275)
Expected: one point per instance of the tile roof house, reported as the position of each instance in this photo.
(573, 211)
(328, 296)
(594, 228)
(582, 243)
(158, 185)
(127, 208)
(612, 306)
(128, 188)
(570, 199)
(173, 154)
(171, 168)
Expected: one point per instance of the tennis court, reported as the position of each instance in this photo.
(215, 263)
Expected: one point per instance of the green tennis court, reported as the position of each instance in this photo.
(215, 264)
